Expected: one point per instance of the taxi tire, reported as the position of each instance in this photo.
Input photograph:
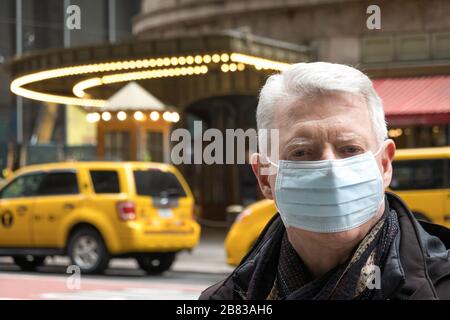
(156, 263)
(29, 263)
(103, 260)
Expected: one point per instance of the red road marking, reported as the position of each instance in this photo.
(16, 286)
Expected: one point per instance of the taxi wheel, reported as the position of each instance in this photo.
(156, 263)
(29, 263)
(87, 250)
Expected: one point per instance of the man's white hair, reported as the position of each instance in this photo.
(309, 79)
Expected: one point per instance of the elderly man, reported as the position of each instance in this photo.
(337, 234)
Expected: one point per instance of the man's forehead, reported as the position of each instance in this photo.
(342, 106)
(338, 116)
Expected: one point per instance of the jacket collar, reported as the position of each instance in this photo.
(254, 278)
(405, 274)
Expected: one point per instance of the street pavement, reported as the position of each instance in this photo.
(191, 273)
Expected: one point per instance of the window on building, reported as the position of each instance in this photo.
(58, 183)
(418, 174)
(105, 181)
(117, 145)
(155, 147)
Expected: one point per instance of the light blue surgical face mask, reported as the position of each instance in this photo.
(329, 195)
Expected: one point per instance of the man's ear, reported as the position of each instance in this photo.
(386, 161)
(258, 167)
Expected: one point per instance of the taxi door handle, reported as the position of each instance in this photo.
(21, 210)
(68, 207)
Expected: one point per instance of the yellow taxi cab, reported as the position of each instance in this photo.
(421, 177)
(93, 211)
(246, 229)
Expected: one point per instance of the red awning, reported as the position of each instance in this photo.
(418, 100)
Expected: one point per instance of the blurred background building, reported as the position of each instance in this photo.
(29, 26)
(414, 41)
(408, 58)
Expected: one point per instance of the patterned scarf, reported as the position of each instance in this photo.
(346, 281)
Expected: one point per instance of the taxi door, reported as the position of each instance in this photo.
(59, 197)
(16, 210)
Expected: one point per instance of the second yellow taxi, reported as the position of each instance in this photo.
(92, 211)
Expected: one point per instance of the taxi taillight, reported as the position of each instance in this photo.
(126, 210)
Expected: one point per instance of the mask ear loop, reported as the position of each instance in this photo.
(272, 163)
(375, 155)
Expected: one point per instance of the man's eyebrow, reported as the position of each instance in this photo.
(348, 137)
(298, 140)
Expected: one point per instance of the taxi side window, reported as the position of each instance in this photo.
(418, 174)
(59, 183)
(23, 186)
(105, 181)
(156, 183)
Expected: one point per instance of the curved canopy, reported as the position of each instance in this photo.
(177, 70)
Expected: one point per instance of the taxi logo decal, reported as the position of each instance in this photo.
(7, 219)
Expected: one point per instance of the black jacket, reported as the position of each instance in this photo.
(417, 267)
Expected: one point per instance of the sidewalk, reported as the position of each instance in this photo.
(208, 257)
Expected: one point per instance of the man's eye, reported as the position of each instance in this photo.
(352, 150)
(299, 154)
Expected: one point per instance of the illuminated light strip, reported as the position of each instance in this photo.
(150, 74)
(103, 67)
(52, 98)
(79, 88)
(232, 67)
(259, 63)
(17, 85)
